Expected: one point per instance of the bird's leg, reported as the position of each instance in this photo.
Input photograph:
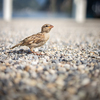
(31, 49)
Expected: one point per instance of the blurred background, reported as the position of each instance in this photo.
(70, 66)
(50, 8)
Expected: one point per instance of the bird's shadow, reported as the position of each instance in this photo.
(21, 51)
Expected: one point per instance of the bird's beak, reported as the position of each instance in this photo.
(51, 26)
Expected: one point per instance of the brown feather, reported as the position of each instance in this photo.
(16, 45)
(36, 38)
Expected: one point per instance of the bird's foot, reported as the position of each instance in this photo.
(37, 53)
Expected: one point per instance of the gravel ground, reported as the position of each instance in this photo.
(68, 70)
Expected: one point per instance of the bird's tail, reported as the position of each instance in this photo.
(16, 45)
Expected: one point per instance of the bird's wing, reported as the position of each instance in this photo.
(36, 38)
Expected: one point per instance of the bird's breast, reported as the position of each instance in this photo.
(47, 36)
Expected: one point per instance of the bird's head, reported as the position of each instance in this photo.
(46, 28)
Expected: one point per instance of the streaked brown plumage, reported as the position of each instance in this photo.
(36, 40)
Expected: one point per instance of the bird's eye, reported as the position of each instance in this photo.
(46, 25)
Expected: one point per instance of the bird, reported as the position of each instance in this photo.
(36, 40)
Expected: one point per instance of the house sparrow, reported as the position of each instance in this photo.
(36, 40)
